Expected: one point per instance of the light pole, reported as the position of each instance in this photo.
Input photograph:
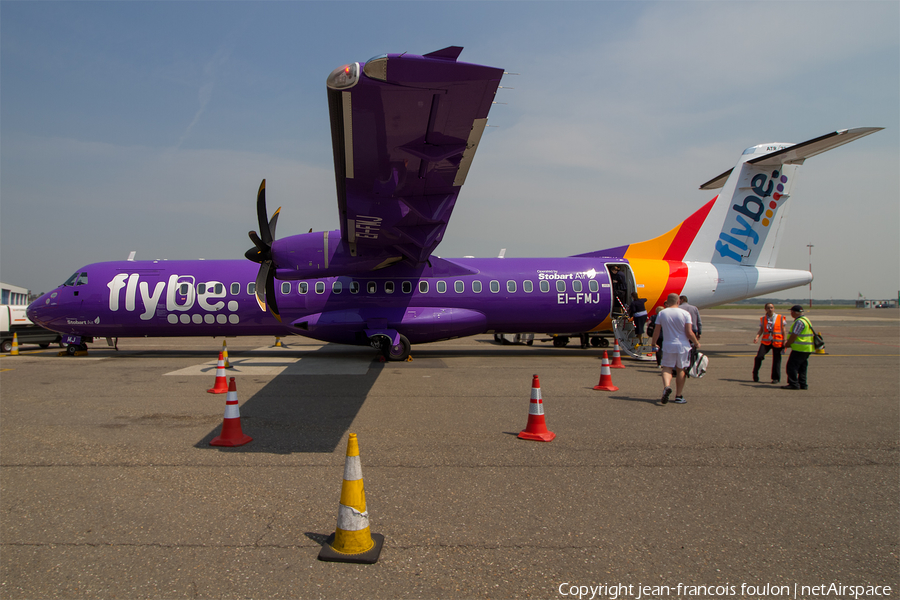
(810, 246)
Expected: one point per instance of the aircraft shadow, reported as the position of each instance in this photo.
(305, 412)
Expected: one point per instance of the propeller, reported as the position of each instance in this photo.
(262, 253)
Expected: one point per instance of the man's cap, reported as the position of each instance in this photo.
(797, 308)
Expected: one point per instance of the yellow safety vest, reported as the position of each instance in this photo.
(804, 341)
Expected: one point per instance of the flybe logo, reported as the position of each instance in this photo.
(196, 304)
(747, 222)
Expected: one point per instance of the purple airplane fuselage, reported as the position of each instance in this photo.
(439, 300)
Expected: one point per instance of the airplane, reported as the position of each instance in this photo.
(405, 129)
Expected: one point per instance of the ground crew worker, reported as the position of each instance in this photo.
(772, 328)
(801, 344)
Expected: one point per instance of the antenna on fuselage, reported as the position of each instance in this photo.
(502, 253)
(131, 255)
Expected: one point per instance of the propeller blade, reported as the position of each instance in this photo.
(272, 222)
(270, 295)
(261, 278)
(262, 216)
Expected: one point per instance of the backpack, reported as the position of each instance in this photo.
(699, 363)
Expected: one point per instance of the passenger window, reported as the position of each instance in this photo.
(201, 288)
(528, 286)
(251, 288)
(320, 287)
(560, 285)
(371, 287)
(285, 287)
(576, 286)
(423, 287)
(389, 287)
(182, 289)
(219, 288)
(441, 286)
(407, 287)
(476, 287)
(545, 286)
(511, 286)
(337, 287)
(495, 286)
(302, 287)
(459, 287)
(593, 285)
(354, 287)
(235, 288)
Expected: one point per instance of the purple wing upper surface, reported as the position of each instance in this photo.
(404, 131)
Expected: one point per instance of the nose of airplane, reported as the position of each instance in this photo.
(44, 309)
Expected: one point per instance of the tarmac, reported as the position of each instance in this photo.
(109, 487)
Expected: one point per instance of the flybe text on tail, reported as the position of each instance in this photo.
(752, 222)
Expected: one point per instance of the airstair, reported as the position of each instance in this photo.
(623, 328)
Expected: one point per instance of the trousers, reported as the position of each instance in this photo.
(796, 369)
(776, 360)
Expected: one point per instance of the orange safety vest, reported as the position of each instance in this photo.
(775, 336)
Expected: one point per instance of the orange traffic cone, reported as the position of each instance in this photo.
(606, 383)
(352, 540)
(536, 429)
(232, 434)
(617, 358)
(221, 385)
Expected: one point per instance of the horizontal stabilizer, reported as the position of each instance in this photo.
(797, 153)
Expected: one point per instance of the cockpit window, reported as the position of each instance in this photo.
(77, 278)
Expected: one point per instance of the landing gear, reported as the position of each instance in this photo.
(395, 352)
(71, 349)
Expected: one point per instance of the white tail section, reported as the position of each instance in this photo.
(746, 224)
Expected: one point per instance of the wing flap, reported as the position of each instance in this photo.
(404, 136)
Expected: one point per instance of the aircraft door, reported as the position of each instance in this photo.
(621, 278)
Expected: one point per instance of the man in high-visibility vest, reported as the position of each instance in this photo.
(772, 329)
(801, 344)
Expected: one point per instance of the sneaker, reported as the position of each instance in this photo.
(755, 379)
(679, 400)
(666, 393)
(790, 387)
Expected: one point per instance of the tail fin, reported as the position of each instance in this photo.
(745, 222)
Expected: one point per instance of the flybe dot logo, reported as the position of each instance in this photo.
(748, 221)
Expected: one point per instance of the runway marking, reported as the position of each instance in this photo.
(314, 364)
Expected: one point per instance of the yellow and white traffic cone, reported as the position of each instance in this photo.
(225, 354)
(278, 342)
(15, 346)
(352, 540)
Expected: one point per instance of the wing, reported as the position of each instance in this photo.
(404, 131)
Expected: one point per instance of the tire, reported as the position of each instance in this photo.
(6, 346)
(71, 349)
(397, 352)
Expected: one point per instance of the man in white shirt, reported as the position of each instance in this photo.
(678, 337)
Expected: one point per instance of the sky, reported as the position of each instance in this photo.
(147, 126)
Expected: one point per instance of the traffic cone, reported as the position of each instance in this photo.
(606, 383)
(225, 354)
(221, 385)
(352, 540)
(278, 342)
(15, 346)
(536, 429)
(617, 358)
(232, 434)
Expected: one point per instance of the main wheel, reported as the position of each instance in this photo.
(397, 352)
(6, 346)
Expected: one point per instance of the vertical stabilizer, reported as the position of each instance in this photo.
(746, 224)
